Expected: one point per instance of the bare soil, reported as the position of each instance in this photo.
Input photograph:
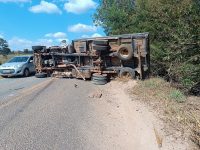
(145, 129)
(129, 127)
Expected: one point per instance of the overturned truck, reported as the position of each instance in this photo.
(98, 59)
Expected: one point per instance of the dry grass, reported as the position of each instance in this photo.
(179, 112)
(3, 59)
(195, 136)
(123, 80)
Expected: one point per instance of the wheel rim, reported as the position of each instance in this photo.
(124, 52)
(126, 75)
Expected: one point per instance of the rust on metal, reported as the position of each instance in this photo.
(103, 55)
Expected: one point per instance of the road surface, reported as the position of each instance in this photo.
(55, 114)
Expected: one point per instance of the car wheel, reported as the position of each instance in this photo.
(26, 73)
(4, 76)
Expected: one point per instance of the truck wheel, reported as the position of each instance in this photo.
(38, 48)
(99, 79)
(100, 42)
(70, 49)
(100, 47)
(98, 82)
(41, 75)
(125, 52)
(127, 72)
(97, 76)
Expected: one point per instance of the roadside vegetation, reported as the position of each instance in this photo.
(175, 55)
(179, 112)
(4, 58)
(6, 53)
(174, 31)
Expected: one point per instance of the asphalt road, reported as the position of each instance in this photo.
(54, 114)
(11, 87)
(43, 113)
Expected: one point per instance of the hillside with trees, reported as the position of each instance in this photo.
(174, 27)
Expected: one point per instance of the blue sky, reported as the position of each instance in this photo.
(25, 23)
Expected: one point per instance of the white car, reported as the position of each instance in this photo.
(18, 66)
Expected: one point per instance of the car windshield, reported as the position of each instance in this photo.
(18, 59)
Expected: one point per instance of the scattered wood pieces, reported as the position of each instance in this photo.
(158, 138)
(95, 94)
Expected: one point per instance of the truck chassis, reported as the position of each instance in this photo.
(98, 59)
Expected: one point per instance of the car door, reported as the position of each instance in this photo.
(31, 65)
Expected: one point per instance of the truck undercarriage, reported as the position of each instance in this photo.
(96, 58)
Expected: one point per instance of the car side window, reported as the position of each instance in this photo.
(31, 59)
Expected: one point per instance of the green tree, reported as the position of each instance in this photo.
(4, 49)
(174, 27)
(115, 16)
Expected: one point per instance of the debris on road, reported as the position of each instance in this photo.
(96, 94)
(75, 85)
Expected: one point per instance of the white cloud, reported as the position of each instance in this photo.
(19, 43)
(56, 35)
(96, 35)
(82, 28)
(85, 36)
(45, 42)
(1, 35)
(15, 1)
(93, 35)
(79, 6)
(45, 7)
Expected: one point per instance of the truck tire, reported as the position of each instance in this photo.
(97, 76)
(127, 72)
(99, 79)
(100, 42)
(100, 47)
(99, 82)
(125, 52)
(38, 48)
(41, 75)
(70, 49)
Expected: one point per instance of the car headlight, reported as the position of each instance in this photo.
(18, 66)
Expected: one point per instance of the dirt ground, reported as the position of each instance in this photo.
(144, 129)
